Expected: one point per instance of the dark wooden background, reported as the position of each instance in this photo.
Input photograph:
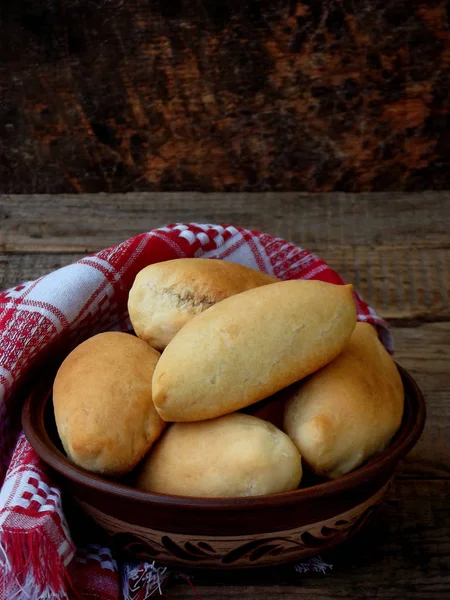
(224, 95)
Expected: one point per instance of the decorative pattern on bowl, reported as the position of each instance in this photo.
(237, 551)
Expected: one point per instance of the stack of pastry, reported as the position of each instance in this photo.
(180, 403)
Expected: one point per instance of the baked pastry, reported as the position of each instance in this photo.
(166, 295)
(251, 345)
(102, 397)
(349, 410)
(234, 455)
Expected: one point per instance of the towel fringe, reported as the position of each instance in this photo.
(143, 580)
(31, 567)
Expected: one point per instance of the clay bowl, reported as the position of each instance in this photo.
(226, 533)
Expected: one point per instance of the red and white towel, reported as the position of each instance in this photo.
(38, 559)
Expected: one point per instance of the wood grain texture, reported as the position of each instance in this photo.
(17, 268)
(402, 284)
(424, 351)
(405, 554)
(394, 248)
(85, 223)
(224, 95)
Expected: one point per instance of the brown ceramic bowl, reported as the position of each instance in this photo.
(226, 533)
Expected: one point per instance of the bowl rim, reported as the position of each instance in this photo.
(407, 436)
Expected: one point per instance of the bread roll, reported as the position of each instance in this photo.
(102, 397)
(251, 345)
(166, 295)
(235, 455)
(349, 410)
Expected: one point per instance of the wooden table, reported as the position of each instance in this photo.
(396, 251)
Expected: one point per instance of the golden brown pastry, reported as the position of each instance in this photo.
(166, 295)
(251, 345)
(349, 410)
(102, 397)
(234, 455)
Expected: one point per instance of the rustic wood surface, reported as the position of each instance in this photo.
(224, 95)
(396, 249)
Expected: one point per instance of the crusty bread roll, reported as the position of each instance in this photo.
(235, 455)
(166, 295)
(349, 410)
(102, 397)
(251, 345)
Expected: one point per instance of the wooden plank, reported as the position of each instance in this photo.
(424, 351)
(17, 268)
(408, 283)
(394, 248)
(431, 456)
(86, 223)
(405, 554)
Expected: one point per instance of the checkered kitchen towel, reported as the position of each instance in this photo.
(37, 555)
